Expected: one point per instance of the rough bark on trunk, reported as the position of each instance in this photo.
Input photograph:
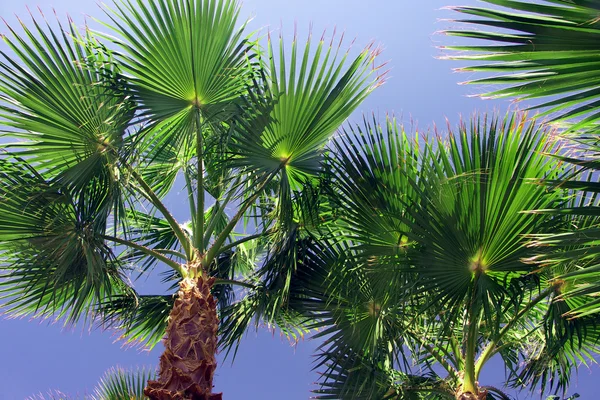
(188, 362)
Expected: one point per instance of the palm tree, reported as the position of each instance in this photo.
(548, 52)
(95, 139)
(424, 273)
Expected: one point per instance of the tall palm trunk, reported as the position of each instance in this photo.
(188, 362)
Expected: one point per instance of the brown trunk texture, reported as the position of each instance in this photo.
(188, 362)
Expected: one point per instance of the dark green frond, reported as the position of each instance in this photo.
(54, 258)
(142, 319)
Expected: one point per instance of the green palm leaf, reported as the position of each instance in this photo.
(119, 384)
(54, 258)
(67, 104)
(141, 319)
(430, 252)
(182, 54)
(309, 97)
(547, 49)
(303, 99)
(551, 51)
(457, 210)
(188, 64)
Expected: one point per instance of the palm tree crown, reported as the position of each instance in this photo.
(96, 140)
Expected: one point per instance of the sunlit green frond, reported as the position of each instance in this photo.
(181, 55)
(303, 97)
(551, 52)
(537, 50)
(66, 103)
(119, 384)
(311, 93)
(189, 66)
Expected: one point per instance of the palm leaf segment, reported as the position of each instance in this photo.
(188, 65)
(116, 384)
(543, 49)
(463, 212)
(305, 95)
(435, 236)
(54, 258)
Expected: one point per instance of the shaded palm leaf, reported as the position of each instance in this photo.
(152, 232)
(54, 259)
(141, 319)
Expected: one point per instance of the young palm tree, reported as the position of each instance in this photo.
(426, 274)
(547, 51)
(94, 141)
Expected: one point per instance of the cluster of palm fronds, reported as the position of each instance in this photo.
(415, 258)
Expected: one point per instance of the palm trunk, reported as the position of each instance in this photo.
(188, 362)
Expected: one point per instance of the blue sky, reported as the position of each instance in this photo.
(38, 356)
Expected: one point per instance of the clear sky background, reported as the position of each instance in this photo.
(37, 356)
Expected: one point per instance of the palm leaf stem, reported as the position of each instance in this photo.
(216, 247)
(199, 231)
(469, 383)
(171, 252)
(152, 253)
(219, 281)
(241, 241)
(153, 198)
(492, 347)
(435, 354)
(218, 206)
(458, 354)
(191, 197)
